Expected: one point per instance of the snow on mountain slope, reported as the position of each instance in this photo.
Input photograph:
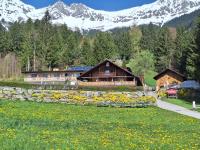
(13, 10)
(83, 17)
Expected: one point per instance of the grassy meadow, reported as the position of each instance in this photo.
(149, 78)
(31, 126)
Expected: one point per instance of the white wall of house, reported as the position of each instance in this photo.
(50, 77)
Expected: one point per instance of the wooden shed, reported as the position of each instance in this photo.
(168, 77)
(108, 73)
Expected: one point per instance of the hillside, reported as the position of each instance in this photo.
(187, 20)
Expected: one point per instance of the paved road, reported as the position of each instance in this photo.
(175, 108)
(178, 109)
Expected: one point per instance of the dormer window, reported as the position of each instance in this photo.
(107, 64)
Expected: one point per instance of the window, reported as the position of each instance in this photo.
(107, 64)
(107, 71)
(34, 75)
(45, 75)
(76, 75)
(57, 75)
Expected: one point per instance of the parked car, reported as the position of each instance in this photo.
(172, 93)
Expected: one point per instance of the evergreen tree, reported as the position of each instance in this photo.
(87, 57)
(46, 19)
(123, 43)
(4, 41)
(196, 53)
(150, 37)
(135, 36)
(184, 48)
(164, 50)
(104, 47)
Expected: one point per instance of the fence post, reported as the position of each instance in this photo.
(194, 105)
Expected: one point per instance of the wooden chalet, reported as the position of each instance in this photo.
(168, 77)
(108, 73)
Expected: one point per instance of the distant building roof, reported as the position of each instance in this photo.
(190, 84)
(79, 68)
(60, 71)
(169, 70)
(74, 69)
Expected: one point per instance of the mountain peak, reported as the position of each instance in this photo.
(78, 6)
(59, 3)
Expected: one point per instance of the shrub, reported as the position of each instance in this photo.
(162, 93)
(57, 96)
(189, 95)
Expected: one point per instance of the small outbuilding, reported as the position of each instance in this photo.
(167, 78)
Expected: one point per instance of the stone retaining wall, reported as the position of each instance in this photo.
(77, 97)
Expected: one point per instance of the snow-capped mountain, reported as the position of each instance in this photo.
(13, 10)
(83, 17)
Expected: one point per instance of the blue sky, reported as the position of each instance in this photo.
(109, 5)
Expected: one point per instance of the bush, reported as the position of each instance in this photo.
(162, 93)
(189, 95)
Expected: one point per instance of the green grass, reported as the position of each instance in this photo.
(181, 103)
(19, 84)
(148, 78)
(31, 126)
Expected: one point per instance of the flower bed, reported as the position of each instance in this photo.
(101, 99)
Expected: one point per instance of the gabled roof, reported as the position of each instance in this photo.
(169, 70)
(103, 63)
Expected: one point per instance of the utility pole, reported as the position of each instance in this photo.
(34, 57)
(28, 64)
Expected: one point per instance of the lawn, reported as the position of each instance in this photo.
(31, 125)
(20, 84)
(148, 78)
(179, 102)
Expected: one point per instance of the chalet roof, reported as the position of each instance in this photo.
(168, 70)
(103, 63)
